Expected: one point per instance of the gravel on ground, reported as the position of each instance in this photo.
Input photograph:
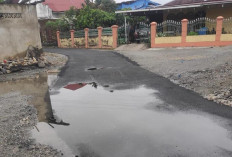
(18, 116)
(207, 71)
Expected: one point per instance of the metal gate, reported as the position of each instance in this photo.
(122, 35)
(142, 33)
(139, 33)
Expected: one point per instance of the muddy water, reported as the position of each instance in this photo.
(35, 87)
(129, 123)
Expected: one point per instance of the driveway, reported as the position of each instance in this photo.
(116, 108)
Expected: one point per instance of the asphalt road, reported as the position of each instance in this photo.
(120, 73)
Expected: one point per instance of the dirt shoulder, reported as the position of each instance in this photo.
(207, 71)
(18, 109)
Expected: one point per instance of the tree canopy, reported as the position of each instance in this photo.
(92, 15)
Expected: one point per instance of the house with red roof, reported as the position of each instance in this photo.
(53, 9)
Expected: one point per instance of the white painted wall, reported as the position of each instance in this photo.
(16, 34)
(43, 11)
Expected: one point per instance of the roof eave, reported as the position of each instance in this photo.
(156, 9)
(173, 7)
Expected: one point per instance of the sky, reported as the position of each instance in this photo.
(158, 1)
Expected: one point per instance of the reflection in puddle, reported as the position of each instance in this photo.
(47, 136)
(120, 124)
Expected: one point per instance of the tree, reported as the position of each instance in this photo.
(92, 18)
(88, 3)
(97, 2)
(106, 5)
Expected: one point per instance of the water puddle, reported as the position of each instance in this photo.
(105, 122)
(91, 120)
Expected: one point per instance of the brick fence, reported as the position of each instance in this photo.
(86, 38)
(217, 39)
(183, 40)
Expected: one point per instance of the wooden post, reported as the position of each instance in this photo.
(72, 37)
(153, 33)
(58, 38)
(115, 36)
(184, 30)
(86, 37)
(99, 37)
(219, 28)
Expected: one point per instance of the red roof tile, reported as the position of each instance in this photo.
(63, 5)
(191, 2)
(75, 86)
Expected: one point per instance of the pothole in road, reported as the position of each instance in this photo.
(94, 68)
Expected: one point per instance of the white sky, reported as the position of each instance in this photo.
(158, 1)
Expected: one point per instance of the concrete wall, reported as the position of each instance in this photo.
(107, 41)
(160, 40)
(66, 43)
(79, 42)
(16, 34)
(200, 38)
(226, 37)
(100, 41)
(191, 41)
(43, 11)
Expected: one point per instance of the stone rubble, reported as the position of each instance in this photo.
(33, 59)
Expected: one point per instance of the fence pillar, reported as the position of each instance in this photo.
(72, 37)
(99, 37)
(115, 35)
(219, 28)
(184, 30)
(86, 37)
(153, 33)
(58, 38)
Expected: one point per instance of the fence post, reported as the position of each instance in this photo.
(72, 37)
(58, 38)
(86, 37)
(184, 30)
(153, 33)
(99, 37)
(115, 35)
(219, 28)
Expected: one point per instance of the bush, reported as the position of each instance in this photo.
(192, 33)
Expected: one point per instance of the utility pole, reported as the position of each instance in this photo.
(125, 29)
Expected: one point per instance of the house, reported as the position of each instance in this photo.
(137, 4)
(52, 10)
(189, 9)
